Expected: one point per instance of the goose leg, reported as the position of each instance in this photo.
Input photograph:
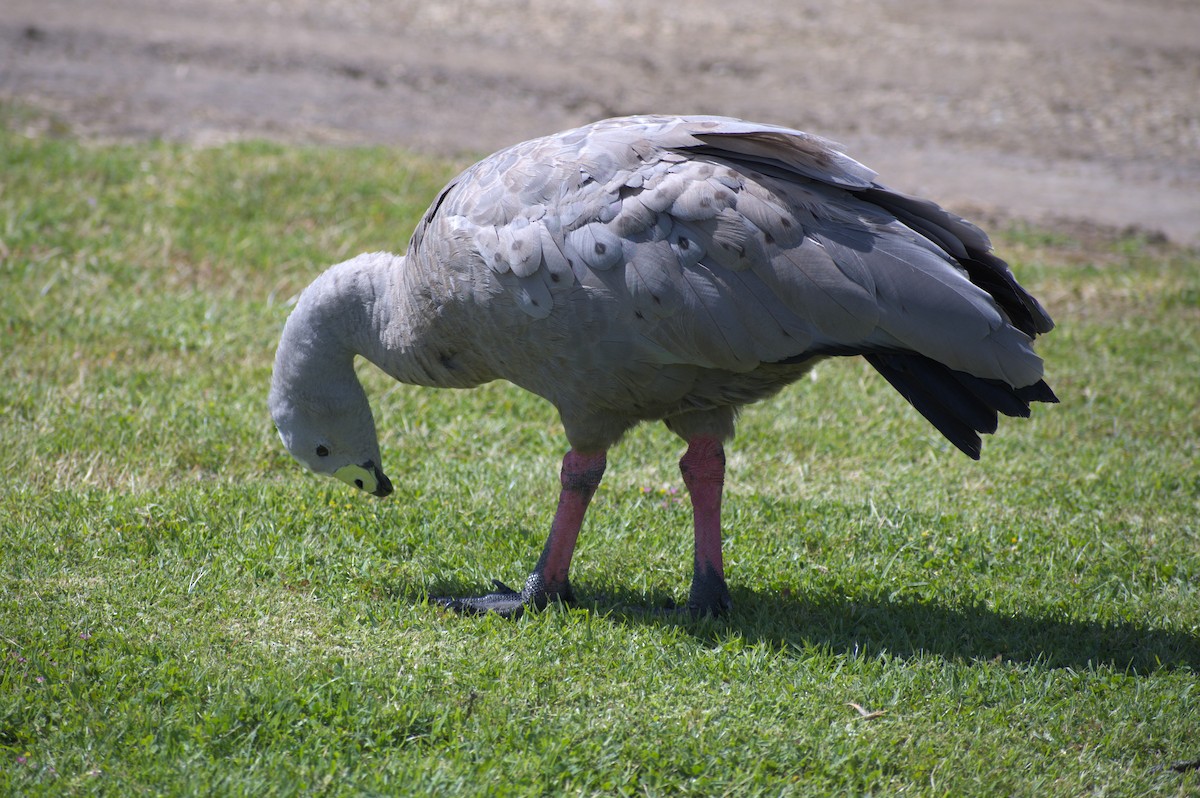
(580, 476)
(703, 469)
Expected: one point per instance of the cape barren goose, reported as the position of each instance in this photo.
(671, 268)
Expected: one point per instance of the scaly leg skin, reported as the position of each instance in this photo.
(703, 469)
(580, 476)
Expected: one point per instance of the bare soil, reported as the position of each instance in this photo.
(1083, 111)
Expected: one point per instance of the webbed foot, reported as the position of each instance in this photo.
(709, 596)
(506, 602)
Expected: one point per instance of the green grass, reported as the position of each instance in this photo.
(183, 610)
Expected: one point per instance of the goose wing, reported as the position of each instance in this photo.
(729, 245)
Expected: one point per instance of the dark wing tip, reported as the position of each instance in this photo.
(958, 404)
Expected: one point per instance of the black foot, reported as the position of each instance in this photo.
(709, 596)
(506, 602)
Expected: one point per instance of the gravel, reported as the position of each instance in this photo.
(1083, 111)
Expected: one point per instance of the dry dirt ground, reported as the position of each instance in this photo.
(1081, 110)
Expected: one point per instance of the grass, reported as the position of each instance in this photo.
(184, 611)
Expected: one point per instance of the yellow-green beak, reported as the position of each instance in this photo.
(366, 477)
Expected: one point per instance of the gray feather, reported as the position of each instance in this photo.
(706, 243)
(532, 293)
(553, 258)
(653, 277)
(687, 244)
(665, 190)
(521, 244)
(595, 245)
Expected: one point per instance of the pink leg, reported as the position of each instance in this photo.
(703, 469)
(580, 476)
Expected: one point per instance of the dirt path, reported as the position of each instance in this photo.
(1086, 111)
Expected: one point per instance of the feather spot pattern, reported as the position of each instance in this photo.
(595, 245)
(487, 241)
(652, 276)
(555, 261)
(521, 245)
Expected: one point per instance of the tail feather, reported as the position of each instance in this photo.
(959, 405)
(970, 247)
(1038, 392)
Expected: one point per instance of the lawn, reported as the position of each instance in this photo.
(185, 611)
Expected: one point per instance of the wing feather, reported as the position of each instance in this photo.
(653, 277)
(520, 243)
(726, 244)
(597, 246)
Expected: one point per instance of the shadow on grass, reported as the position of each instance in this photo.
(872, 626)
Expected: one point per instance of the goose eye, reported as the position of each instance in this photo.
(322, 451)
